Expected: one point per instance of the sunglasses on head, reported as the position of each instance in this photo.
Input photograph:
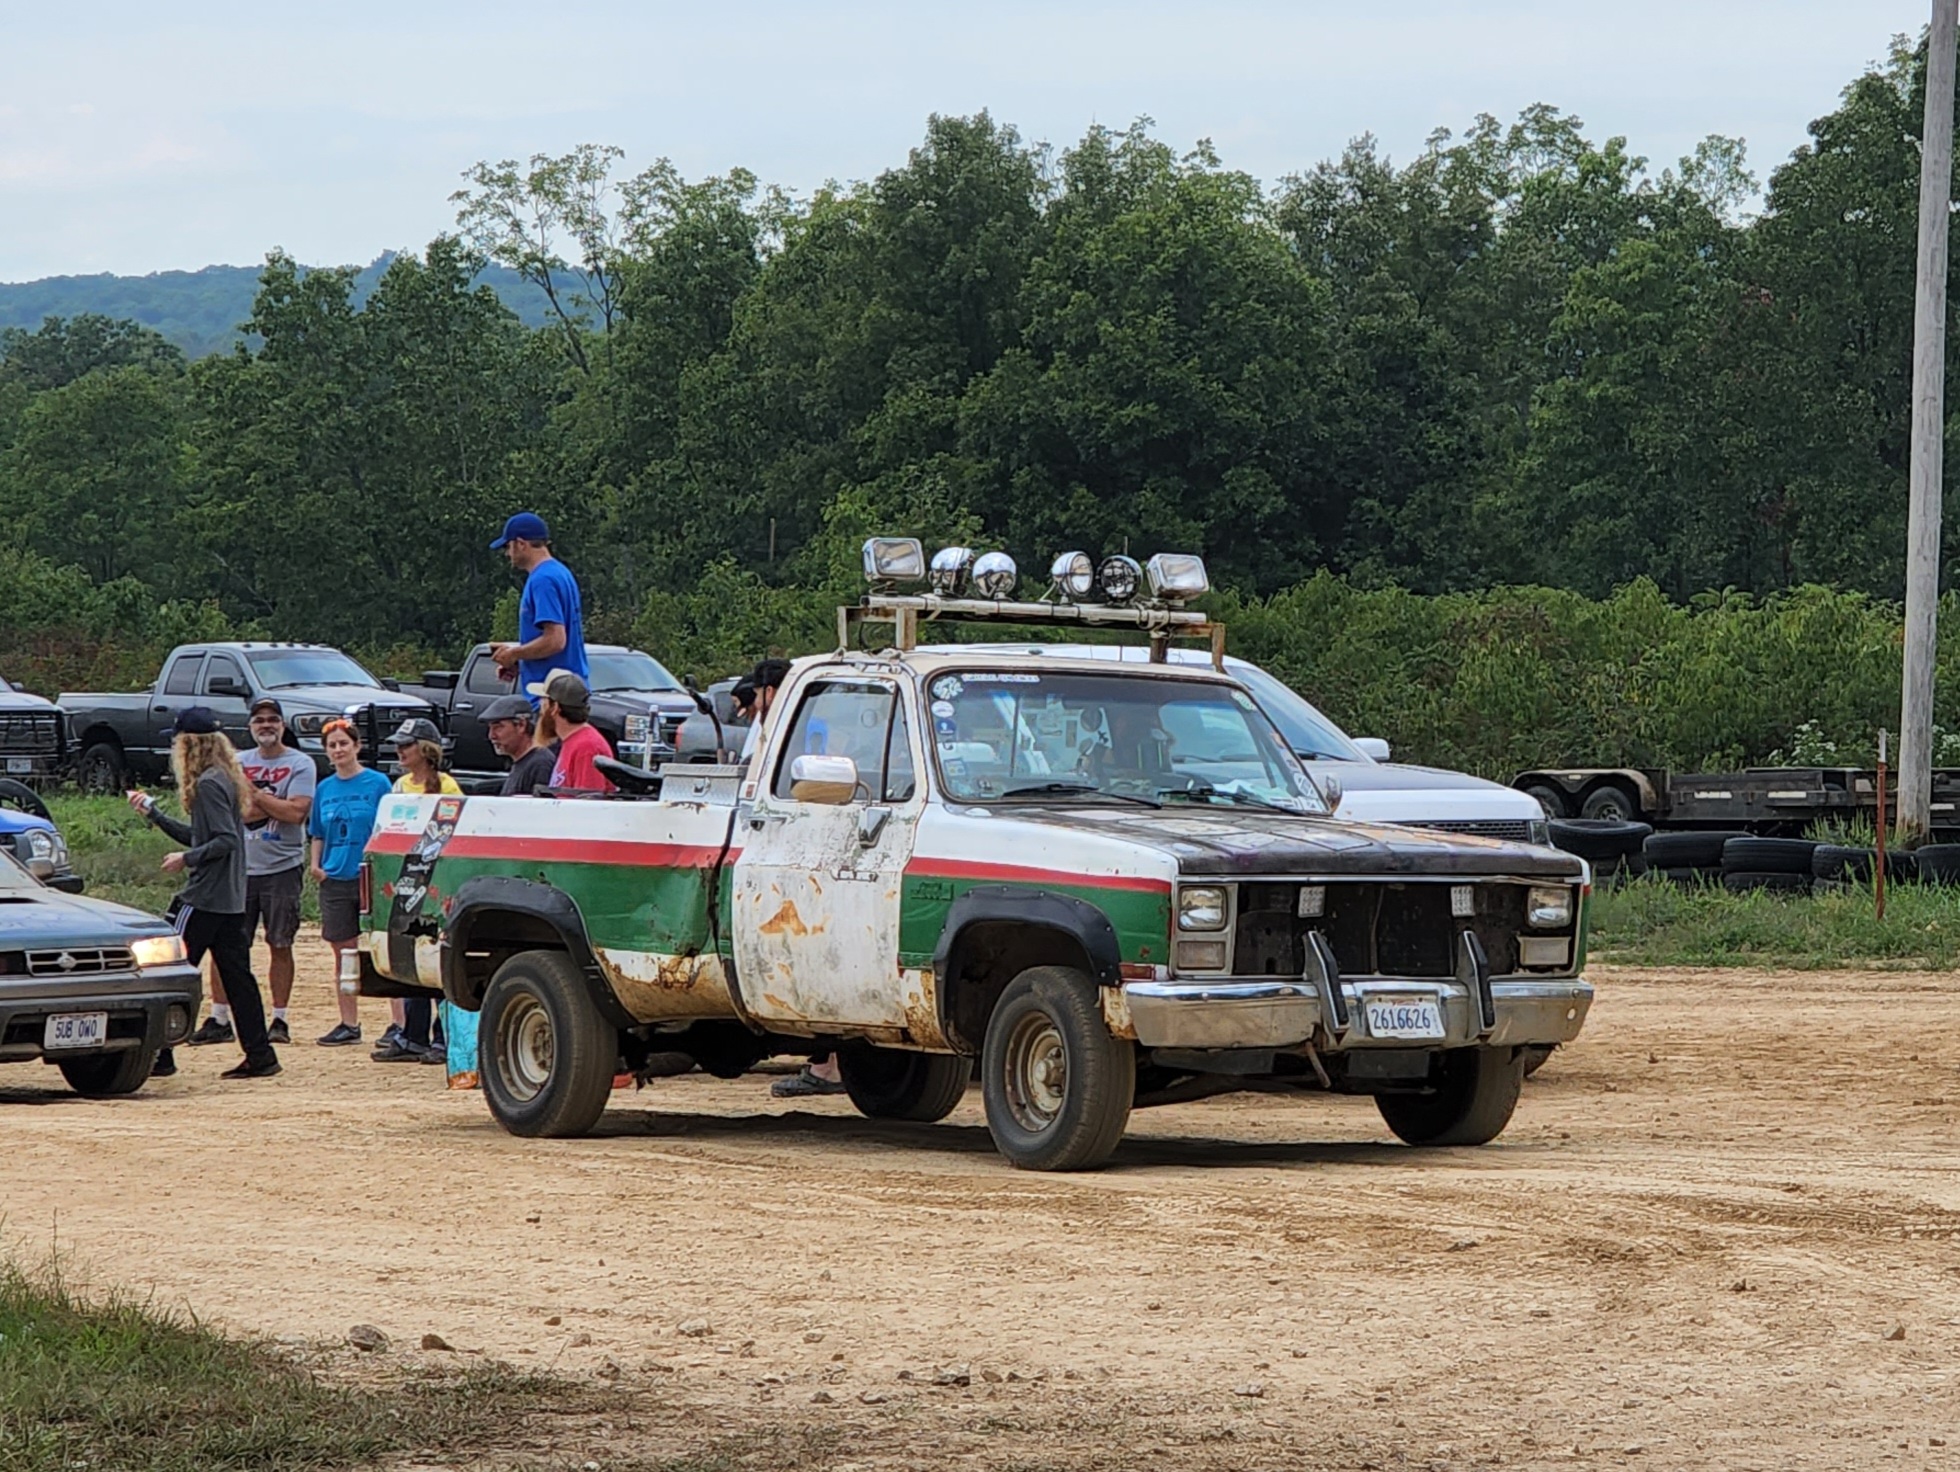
(339, 725)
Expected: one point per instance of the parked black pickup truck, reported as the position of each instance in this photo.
(124, 738)
(34, 741)
(636, 704)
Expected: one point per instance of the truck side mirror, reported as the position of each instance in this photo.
(701, 702)
(830, 780)
(1372, 747)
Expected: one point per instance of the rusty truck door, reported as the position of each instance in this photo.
(816, 892)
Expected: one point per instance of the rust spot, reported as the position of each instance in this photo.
(674, 973)
(784, 922)
(922, 1013)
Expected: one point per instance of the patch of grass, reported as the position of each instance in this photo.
(112, 1384)
(119, 854)
(1654, 923)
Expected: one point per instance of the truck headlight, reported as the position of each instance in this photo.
(309, 723)
(1201, 907)
(1548, 908)
(158, 950)
(1540, 832)
(40, 843)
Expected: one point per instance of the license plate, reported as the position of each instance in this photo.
(1414, 1018)
(76, 1030)
(20, 766)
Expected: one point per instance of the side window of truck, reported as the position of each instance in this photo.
(182, 676)
(221, 667)
(483, 679)
(850, 718)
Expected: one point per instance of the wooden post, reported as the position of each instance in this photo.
(1928, 428)
(1878, 867)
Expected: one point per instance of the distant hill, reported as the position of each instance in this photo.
(200, 310)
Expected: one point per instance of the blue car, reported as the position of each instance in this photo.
(95, 988)
(29, 834)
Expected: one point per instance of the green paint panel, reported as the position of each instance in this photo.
(628, 907)
(1141, 918)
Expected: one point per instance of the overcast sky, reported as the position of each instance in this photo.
(141, 136)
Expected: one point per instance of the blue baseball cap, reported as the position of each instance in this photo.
(196, 720)
(526, 526)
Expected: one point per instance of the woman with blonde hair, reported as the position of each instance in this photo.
(211, 906)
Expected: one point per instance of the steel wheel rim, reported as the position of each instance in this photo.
(525, 1048)
(1036, 1065)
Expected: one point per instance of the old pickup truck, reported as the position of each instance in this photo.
(1113, 883)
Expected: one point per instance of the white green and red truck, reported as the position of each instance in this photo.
(1113, 884)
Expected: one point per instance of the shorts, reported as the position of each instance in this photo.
(272, 900)
(340, 909)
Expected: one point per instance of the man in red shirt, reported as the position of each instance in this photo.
(566, 703)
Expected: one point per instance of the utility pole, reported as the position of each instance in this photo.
(1928, 432)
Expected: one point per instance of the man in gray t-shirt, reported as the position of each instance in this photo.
(275, 862)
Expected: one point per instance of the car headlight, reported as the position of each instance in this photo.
(1201, 907)
(1540, 833)
(309, 724)
(158, 950)
(40, 844)
(1547, 908)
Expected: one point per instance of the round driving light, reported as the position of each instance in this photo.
(1119, 578)
(995, 575)
(1074, 575)
(950, 566)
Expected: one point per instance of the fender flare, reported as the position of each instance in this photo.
(1037, 909)
(489, 895)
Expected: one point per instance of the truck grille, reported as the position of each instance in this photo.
(1375, 928)
(80, 961)
(1515, 830)
(22, 732)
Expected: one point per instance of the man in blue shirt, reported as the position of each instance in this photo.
(550, 620)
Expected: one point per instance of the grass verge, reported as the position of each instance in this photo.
(1654, 923)
(112, 1384)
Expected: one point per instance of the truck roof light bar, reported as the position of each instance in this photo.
(904, 613)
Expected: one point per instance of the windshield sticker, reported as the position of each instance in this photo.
(1001, 677)
(1243, 700)
(943, 709)
(946, 687)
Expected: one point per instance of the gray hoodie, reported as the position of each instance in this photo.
(215, 835)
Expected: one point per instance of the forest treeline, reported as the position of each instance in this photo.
(1522, 357)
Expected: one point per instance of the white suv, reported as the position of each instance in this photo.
(1374, 789)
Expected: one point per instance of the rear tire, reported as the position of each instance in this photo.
(1475, 1094)
(102, 769)
(108, 1075)
(1611, 803)
(890, 1083)
(1548, 797)
(545, 1056)
(1058, 1087)
(23, 799)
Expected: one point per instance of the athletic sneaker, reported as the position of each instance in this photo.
(165, 1066)
(398, 1050)
(213, 1031)
(435, 1053)
(276, 1031)
(803, 1085)
(343, 1034)
(249, 1069)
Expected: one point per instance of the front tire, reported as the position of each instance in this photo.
(109, 1075)
(889, 1083)
(545, 1056)
(1474, 1095)
(101, 769)
(1058, 1088)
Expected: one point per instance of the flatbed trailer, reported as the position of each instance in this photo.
(1765, 800)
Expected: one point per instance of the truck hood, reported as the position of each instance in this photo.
(1388, 792)
(339, 697)
(663, 700)
(22, 700)
(1245, 842)
(33, 918)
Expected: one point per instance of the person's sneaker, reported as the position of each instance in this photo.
(394, 1037)
(397, 1050)
(276, 1031)
(343, 1034)
(435, 1053)
(213, 1031)
(265, 1068)
(803, 1085)
(165, 1066)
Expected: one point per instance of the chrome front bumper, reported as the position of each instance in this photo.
(1284, 1013)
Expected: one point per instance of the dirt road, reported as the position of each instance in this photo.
(1723, 1231)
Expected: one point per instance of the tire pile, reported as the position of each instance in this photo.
(1743, 863)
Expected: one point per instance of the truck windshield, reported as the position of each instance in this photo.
(630, 670)
(282, 669)
(1031, 736)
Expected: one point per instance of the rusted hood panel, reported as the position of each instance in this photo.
(1242, 841)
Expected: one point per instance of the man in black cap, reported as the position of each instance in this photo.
(767, 682)
(512, 725)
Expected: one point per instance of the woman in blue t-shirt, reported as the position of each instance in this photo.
(342, 817)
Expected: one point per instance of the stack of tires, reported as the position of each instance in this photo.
(1778, 865)
(1689, 858)
(1614, 847)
